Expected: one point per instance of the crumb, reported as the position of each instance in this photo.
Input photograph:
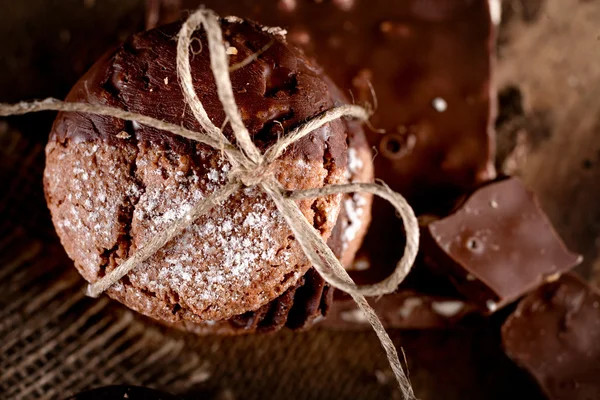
(439, 104)
(123, 135)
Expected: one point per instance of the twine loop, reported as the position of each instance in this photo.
(251, 168)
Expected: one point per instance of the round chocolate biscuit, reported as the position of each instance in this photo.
(112, 185)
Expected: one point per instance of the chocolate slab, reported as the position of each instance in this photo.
(497, 246)
(555, 335)
(429, 63)
(406, 309)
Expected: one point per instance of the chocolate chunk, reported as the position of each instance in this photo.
(123, 392)
(555, 335)
(405, 309)
(497, 246)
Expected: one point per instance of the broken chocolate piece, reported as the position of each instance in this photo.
(555, 335)
(497, 246)
(402, 310)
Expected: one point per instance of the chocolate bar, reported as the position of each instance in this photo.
(554, 334)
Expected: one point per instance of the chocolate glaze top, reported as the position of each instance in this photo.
(274, 93)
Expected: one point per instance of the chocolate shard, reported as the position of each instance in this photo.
(497, 246)
(405, 309)
(555, 335)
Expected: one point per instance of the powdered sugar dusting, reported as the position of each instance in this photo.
(354, 206)
(231, 245)
(355, 163)
(225, 263)
(235, 243)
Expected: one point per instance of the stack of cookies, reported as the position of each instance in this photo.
(112, 184)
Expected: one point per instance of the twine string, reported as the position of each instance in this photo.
(337, 276)
(51, 104)
(184, 69)
(251, 168)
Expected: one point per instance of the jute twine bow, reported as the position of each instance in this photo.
(251, 168)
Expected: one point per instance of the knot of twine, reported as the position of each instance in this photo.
(252, 176)
(252, 168)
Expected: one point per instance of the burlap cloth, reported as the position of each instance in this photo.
(54, 341)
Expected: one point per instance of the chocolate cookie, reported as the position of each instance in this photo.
(111, 185)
